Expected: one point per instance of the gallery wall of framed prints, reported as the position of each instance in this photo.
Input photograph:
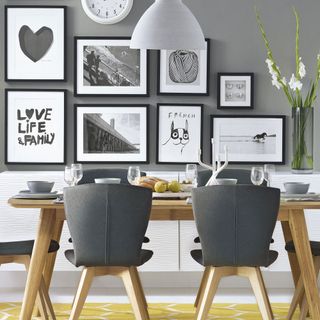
(35, 51)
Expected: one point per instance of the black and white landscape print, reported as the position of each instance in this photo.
(107, 66)
(184, 71)
(117, 66)
(249, 139)
(111, 133)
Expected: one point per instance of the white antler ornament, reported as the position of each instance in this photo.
(216, 166)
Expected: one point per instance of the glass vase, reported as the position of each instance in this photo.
(302, 161)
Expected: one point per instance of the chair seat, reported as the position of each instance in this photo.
(144, 257)
(314, 245)
(197, 256)
(17, 248)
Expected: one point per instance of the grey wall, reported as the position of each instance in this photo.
(236, 46)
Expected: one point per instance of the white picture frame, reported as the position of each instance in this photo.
(35, 126)
(249, 139)
(107, 66)
(184, 72)
(111, 133)
(35, 43)
(179, 133)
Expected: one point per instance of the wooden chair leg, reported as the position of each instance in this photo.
(82, 292)
(45, 294)
(202, 283)
(136, 274)
(260, 292)
(304, 309)
(132, 287)
(209, 289)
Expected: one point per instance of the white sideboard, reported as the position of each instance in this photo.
(171, 241)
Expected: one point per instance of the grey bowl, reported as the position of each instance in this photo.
(227, 182)
(40, 186)
(296, 187)
(107, 180)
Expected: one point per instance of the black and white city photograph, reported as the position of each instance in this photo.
(235, 90)
(184, 71)
(111, 133)
(249, 139)
(109, 67)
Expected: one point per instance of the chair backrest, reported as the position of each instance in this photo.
(242, 175)
(107, 223)
(235, 223)
(90, 174)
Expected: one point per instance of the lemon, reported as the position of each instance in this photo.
(174, 186)
(160, 187)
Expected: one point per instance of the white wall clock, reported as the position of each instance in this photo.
(107, 11)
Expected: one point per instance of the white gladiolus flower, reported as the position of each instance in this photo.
(270, 67)
(276, 83)
(302, 69)
(294, 83)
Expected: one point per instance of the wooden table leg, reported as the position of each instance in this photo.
(51, 258)
(300, 238)
(38, 258)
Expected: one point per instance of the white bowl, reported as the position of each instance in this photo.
(107, 180)
(296, 187)
(227, 182)
(186, 187)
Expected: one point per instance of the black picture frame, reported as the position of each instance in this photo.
(6, 56)
(178, 105)
(222, 104)
(168, 93)
(64, 149)
(264, 160)
(76, 72)
(116, 106)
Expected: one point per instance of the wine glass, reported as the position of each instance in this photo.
(269, 169)
(257, 175)
(68, 177)
(76, 172)
(133, 175)
(192, 173)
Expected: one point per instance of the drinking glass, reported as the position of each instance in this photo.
(269, 169)
(192, 173)
(76, 172)
(133, 175)
(257, 175)
(68, 178)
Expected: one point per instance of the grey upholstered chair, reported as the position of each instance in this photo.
(242, 175)
(299, 294)
(107, 224)
(90, 174)
(235, 225)
(20, 252)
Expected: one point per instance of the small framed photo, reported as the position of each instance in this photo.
(249, 139)
(35, 43)
(179, 132)
(35, 126)
(106, 66)
(184, 72)
(111, 133)
(235, 90)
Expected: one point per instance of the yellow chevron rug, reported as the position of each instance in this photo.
(92, 311)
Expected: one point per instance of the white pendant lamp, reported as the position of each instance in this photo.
(168, 24)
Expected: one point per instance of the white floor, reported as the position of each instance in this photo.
(163, 295)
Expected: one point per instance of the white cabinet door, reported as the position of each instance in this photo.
(164, 242)
(188, 232)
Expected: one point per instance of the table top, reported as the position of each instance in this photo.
(164, 209)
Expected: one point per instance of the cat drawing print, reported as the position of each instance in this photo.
(179, 136)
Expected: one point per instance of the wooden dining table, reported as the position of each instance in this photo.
(52, 217)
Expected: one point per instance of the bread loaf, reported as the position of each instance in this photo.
(149, 182)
